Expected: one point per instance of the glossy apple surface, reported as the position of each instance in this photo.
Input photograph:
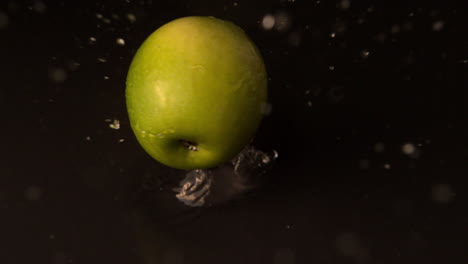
(195, 92)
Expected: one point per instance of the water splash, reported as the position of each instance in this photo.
(227, 181)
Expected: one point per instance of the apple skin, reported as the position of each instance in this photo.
(195, 92)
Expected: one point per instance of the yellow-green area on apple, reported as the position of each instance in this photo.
(195, 92)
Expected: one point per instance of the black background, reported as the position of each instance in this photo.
(342, 190)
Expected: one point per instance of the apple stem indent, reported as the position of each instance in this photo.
(189, 145)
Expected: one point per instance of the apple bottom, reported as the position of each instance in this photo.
(226, 182)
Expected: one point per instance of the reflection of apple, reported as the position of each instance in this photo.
(195, 92)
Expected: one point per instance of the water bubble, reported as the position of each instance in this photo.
(33, 193)
(442, 193)
(268, 22)
(438, 25)
(131, 18)
(3, 20)
(333, 34)
(106, 77)
(120, 41)
(58, 75)
(121, 140)
(92, 39)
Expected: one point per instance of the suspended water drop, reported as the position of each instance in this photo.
(120, 41)
(438, 25)
(131, 17)
(365, 53)
(408, 148)
(115, 124)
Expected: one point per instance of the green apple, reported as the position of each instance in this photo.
(195, 92)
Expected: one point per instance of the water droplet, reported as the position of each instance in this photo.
(333, 34)
(332, 68)
(387, 166)
(408, 148)
(100, 59)
(115, 124)
(438, 25)
(92, 39)
(365, 53)
(131, 18)
(120, 41)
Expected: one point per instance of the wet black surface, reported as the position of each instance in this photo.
(351, 83)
